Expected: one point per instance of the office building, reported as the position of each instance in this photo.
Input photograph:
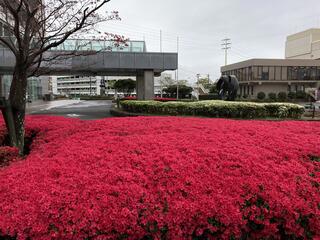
(274, 75)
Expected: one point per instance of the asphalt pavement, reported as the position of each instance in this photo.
(85, 110)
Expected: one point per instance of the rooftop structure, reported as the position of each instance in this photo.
(303, 45)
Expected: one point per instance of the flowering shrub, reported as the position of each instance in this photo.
(164, 178)
(128, 98)
(7, 155)
(3, 132)
(247, 110)
(165, 99)
(155, 99)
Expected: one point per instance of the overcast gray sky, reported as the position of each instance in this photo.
(258, 29)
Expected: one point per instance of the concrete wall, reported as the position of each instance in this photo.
(303, 45)
(99, 64)
(145, 85)
(270, 88)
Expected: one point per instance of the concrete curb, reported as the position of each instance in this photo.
(120, 113)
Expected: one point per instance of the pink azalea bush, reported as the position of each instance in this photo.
(7, 155)
(164, 178)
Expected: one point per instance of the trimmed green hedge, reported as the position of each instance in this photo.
(95, 98)
(245, 110)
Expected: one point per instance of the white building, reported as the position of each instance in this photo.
(77, 85)
(161, 82)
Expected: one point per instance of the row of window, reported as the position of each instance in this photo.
(77, 89)
(248, 90)
(77, 83)
(285, 73)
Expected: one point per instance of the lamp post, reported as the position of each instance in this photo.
(198, 90)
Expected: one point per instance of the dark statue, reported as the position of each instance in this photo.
(228, 86)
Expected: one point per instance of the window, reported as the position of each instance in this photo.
(318, 73)
(250, 73)
(265, 73)
(304, 73)
(313, 73)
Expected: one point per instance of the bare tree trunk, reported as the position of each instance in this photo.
(14, 113)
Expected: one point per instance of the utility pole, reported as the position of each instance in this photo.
(160, 40)
(178, 69)
(226, 43)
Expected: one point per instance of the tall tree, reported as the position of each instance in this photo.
(126, 86)
(35, 27)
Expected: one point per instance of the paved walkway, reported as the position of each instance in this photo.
(86, 110)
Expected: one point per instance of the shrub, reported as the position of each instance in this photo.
(247, 110)
(245, 96)
(282, 96)
(209, 97)
(158, 99)
(128, 98)
(164, 178)
(291, 95)
(301, 95)
(7, 155)
(272, 96)
(95, 98)
(261, 96)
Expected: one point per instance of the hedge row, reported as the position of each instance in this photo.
(246, 110)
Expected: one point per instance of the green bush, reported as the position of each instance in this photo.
(93, 98)
(245, 110)
(272, 96)
(301, 95)
(209, 97)
(291, 95)
(282, 96)
(261, 96)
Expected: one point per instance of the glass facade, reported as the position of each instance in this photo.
(276, 73)
(101, 45)
(34, 88)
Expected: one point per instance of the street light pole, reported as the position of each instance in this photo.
(178, 69)
(161, 41)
